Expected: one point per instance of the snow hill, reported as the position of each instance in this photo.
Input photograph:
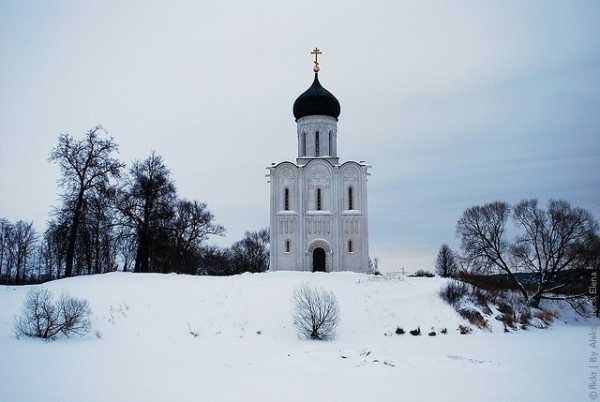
(184, 338)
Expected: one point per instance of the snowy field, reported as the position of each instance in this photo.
(246, 349)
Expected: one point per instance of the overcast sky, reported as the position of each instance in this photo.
(453, 103)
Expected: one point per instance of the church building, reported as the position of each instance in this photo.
(318, 214)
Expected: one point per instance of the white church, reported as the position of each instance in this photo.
(318, 216)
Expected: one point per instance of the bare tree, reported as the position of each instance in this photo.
(84, 164)
(166, 232)
(251, 254)
(216, 261)
(547, 244)
(5, 227)
(100, 235)
(24, 246)
(10, 251)
(55, 241)
(587, 254)
(445, 264)
(482, 230)
(146, 201)
(315, 313)
(193, 223)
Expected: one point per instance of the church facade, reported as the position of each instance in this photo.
(318, 214)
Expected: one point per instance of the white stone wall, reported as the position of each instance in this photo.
(332, 227)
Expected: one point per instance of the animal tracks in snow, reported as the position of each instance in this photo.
(367, 358)
(117, 312)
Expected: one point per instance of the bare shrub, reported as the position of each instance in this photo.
(43, 317)
(507, 319)
(480, 296)
(541, 318)
(315, 313)
(544, 315)
(40, 316)
(474, 317)
(505, 308)
(421, 273)
(454, 291)
(524, 316)
(74, 315)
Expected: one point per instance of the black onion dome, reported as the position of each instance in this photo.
(316, 100)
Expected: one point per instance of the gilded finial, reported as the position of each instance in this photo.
(316, 52)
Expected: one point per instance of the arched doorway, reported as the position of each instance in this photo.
(319, 259)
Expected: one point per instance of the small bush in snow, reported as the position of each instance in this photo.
(454, 291)
(464, 330)
(44, 317)
(315, 313)
(421, 273)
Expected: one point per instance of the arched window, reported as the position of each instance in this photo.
(319, 199)
(288, 246)
(350, 249)
(286, 199)
(350, 198)
(330, 145)
(317, 145)
(303, 144)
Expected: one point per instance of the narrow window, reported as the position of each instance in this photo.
(330, 150)
(318, 199)
(350, 199)
(303, 144)
(287, 246)
(350, 246)
(286, 199)
(317, 145)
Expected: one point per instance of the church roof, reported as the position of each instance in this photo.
(316, 100)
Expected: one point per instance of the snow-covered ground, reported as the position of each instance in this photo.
(246, 349)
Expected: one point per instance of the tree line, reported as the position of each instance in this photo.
(546, 254)
(111, 218)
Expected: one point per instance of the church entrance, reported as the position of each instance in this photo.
(318, 260)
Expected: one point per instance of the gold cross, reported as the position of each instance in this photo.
(316, 52)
